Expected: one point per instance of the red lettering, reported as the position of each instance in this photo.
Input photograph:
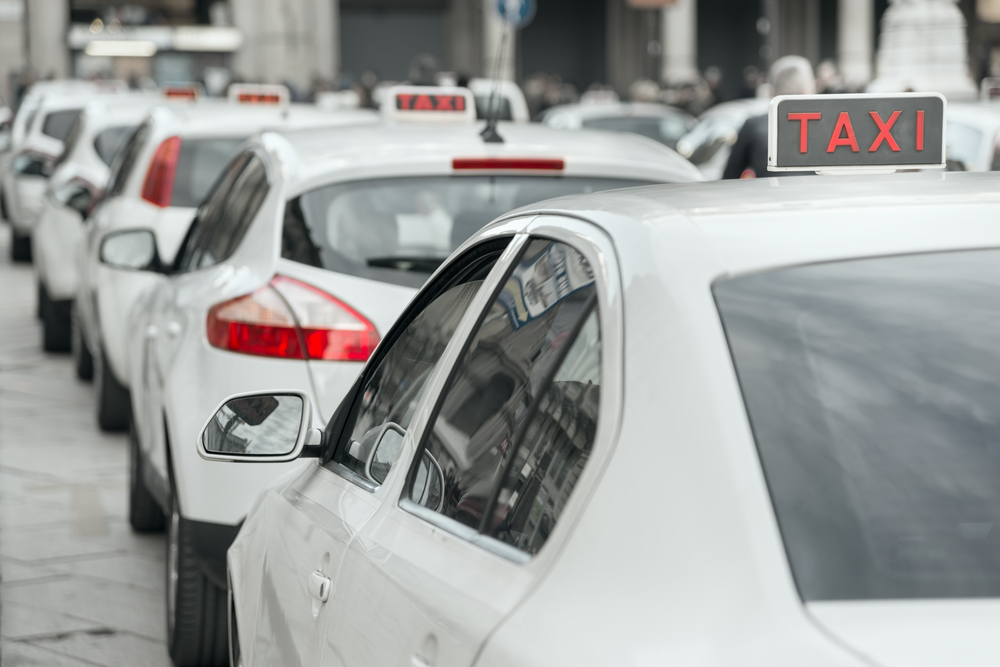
(444, 103)
(843, 124)
(423, 103)
(459, 103)
(884, 131)
(804, 119)
(404, 101)
(920, 130)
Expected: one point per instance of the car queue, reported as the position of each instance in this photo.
(651, 421)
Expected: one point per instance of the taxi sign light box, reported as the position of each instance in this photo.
(267, 94)
(832, 133)
(434, 104)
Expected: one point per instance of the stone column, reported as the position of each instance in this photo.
(855, 39)
(11, 45)
(923, 48)
(493, 30)
(48, 23)
(680, 42)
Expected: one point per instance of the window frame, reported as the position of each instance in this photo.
(597, 248)
(342, 422)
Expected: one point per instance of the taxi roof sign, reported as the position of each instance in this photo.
(259, 93)
(429, 104)
(181, 91)
(849, 133)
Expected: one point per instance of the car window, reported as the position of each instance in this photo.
(398, 230)
(109, 141)
(72, 139)
(664, 129)
(873, 391)
(211, 214)
(515, 425)
(59, 123)
(392, 388)
(198, 167)
(125, 161)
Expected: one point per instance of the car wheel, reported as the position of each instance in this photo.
(113, 402)
(235, 656)
(83, 362)
(55, 324)
(143, 513)
(197, 624)
(20, 248)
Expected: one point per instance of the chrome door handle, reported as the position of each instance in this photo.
(319, 586)
(173, 329)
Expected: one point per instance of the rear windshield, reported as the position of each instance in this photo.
(873, 390)
(108, 142)
(665, 129)
(58, 123)
(199, 164)
(399, 230)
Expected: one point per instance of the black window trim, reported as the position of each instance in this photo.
(447, 524)
(336, 428)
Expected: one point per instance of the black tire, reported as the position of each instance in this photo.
(20, 248)
(114, 405)
(197, 618)
(55, 323)
(83, 362)
(145, 515)
(40, 301)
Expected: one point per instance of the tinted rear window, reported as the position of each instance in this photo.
(198, 166)
(873, 390)
(400, 229)
(108, 142)
(59, 123)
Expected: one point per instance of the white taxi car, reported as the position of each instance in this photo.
(78, 179)
(160, 178)
(710, 143)
(306, 253)
(711, 424)
(659, 122)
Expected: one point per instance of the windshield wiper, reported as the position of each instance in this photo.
(403, 263)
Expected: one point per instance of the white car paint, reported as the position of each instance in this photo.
(973, 136)
(710, 143)
(60, 227)
(602, 116)
(668, 551)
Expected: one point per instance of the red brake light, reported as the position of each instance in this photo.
(518, 163)
(262, 324)
(158, 187)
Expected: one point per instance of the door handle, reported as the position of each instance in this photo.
(319, 586)
(173, 329)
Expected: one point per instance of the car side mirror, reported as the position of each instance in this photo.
(390, 439)
(81, 200)
(261, 428)
(428, 483)
(133, 249)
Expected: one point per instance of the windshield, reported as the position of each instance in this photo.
(400, 229)
(963, 145)
(199, 165)
(665, 129)
(108, 142)
(873, 390)
(59, 123)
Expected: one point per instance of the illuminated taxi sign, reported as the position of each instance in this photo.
(429, 104)
(266, 94)
(181, 91)
(856, 132)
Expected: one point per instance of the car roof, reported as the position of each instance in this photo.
(314, 155)
(225, 118)
(753, 225)
(617, 110)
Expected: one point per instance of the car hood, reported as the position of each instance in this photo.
(916, 633)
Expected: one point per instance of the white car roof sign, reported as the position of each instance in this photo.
(259, 93)
(175, 91)
(429, 104)
(851, 133)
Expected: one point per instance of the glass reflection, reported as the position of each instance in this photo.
(255, 426)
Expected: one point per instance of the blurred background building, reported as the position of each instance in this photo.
(698, 50)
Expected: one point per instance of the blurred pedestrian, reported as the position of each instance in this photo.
(790, 75)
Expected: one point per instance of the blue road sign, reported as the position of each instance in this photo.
(518, 13)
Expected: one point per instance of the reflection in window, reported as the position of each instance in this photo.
(507, 369)
(256, 425)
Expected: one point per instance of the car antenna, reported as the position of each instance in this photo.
(489, 133)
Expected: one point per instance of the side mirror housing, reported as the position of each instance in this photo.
(81, 200)
(261, 428)
(133, 249)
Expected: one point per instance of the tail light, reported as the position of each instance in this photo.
(291, 320)
(508, 163)
(158, 187)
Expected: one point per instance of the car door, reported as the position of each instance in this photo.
(318, 515)
(489, 467)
